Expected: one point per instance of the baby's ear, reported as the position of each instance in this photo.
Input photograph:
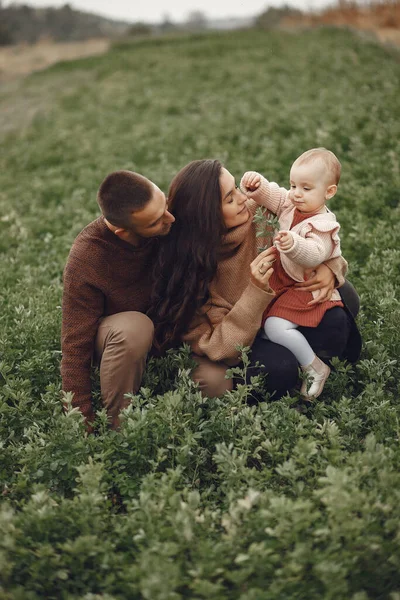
(330, 192)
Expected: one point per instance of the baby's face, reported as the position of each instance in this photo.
(310, 186)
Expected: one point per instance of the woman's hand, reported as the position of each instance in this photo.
(261, 269)
(323, 281)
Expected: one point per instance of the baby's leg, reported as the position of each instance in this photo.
(285, 333)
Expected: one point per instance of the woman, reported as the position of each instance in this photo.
(211, 285)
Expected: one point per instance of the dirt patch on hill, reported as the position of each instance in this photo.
(389, 36)
(379, 20)
(375, 17)
(17, 61)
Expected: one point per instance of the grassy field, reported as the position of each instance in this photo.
(199, 499)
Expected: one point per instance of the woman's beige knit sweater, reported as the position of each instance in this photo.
(232, 316)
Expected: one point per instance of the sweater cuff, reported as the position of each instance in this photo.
(85, 407)
(257, 299)
(294, 250)
(88, 412)
(261, 194)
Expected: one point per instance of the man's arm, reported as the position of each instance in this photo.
(82, 308)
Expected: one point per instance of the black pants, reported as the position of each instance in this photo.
(327, 340)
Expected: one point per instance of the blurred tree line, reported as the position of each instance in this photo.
(273, 16)
(20, 23)
(196, 21)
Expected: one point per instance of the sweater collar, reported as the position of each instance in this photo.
(114, 239)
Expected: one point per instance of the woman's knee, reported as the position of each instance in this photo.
(350, 298)
(278, 364)
(283, 375)
(330, 337)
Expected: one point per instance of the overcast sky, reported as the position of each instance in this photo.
(153, 11)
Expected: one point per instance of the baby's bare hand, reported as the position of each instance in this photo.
(284, 240)
(251, 181)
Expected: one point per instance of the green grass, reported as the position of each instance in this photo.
(196, 499)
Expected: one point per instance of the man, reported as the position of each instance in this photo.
(107, 282)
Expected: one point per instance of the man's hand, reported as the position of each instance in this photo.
(284, 240)
(321, 280)
(250, 181)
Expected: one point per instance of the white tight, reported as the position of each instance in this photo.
(285, 333)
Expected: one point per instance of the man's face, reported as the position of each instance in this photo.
(154, 219)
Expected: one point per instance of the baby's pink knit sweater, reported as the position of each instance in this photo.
(316, 239)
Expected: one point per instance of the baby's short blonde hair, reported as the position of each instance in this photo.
(327, 157)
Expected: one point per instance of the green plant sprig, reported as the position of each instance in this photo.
(267, 225)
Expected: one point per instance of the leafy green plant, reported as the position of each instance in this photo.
(267, 225)
(195, 497)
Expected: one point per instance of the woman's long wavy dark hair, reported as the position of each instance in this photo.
(188, 256)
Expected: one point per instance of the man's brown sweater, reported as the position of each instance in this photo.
(104, 275)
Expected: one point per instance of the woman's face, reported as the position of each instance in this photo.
(234, 209)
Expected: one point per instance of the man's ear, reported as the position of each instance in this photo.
(330, 192)
(121, 233)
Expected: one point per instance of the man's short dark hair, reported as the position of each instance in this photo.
(121, 194)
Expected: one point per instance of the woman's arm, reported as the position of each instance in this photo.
(221, 328)
(218, 338)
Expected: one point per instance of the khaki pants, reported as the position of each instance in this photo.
(122, 343)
